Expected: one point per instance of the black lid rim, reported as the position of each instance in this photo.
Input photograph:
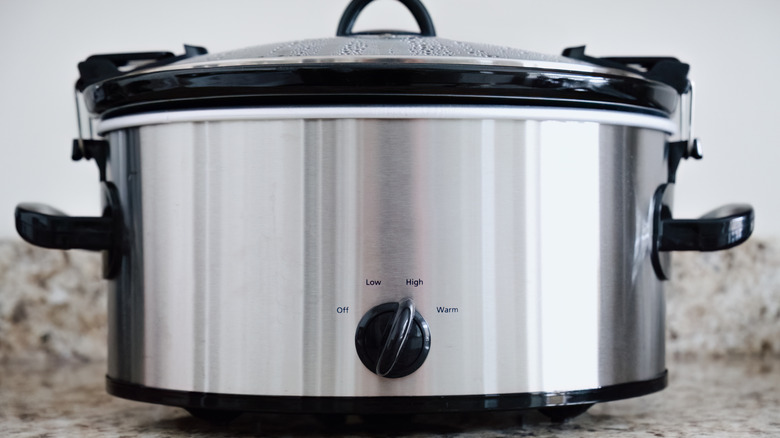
(320, 84)
(337, 101)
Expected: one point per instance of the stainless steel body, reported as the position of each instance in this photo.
(257, 243)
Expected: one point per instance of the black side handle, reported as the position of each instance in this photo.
(47, 227)
(722, 228)
(98, 68)
(356, 7)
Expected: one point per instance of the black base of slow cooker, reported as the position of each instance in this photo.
(212, 403)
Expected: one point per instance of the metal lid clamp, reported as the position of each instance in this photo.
(683, 144)
(672, 72)
(88, 148)
(98, 68)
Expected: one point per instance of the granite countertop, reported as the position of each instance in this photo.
(712, 398)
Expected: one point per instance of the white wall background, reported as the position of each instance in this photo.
(731, 46)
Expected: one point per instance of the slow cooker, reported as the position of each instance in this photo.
(385, 222)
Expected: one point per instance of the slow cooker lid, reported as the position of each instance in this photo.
(380, 67)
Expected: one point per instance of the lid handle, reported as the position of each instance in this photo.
(356, 7)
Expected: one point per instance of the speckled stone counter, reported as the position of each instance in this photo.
(705, 398)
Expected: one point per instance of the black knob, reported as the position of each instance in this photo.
(393, 339)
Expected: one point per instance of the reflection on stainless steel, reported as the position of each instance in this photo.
(522, 243)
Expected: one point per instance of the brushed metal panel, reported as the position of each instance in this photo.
(252, 234)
